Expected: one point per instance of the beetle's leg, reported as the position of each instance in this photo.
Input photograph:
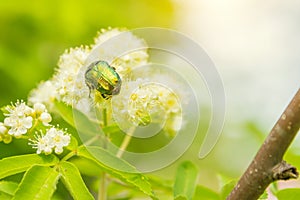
(105, 96)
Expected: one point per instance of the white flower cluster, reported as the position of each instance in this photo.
(54, 139)
(19, 118)
(143, 104)
(22, 120)
(68, 83)
(151, 98)
(124, 51)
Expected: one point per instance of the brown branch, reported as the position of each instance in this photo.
(268, 164)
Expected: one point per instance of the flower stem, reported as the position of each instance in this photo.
(102, 188)
(104, 115)
(33, 126)
(68, 156)
(102, 193)
(92, 140)
(126, 142)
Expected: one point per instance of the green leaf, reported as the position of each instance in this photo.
(186, 181)
(161, 183)
(17, 164)
(205, 193)
(5, 196)
(107, 158)
(114, 128)
(38, 183)
(72, 180)
(65, 111)
(227, 188)
(135, 178)
(274, 188)
(73, 144)
(86, 128)
(8, 187)
(289, 194)
(78, 120)
(86, 166)
(264, 196)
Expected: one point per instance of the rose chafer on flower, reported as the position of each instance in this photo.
(68, 83)
(102, 77)
(88, 76)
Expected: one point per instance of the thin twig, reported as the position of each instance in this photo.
(268, 164)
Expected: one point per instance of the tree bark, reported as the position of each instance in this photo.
(268, 164)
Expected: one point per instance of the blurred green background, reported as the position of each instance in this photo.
(257, 56)
(34, 33)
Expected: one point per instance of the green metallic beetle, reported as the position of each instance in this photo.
(102, 77)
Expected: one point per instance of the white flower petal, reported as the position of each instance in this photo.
(39, 107)
(45, 118)
(53, 139)
(27, 122)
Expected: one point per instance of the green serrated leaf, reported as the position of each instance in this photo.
(38, 183)
(185, 181)
(72, 180)
(8, 187)
(289, 194)
(17, 164)
(135, 178)
(206, 193)
(140, 181)
(227, 188)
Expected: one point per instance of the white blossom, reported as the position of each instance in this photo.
(53, 140)
(123, 48)
(44, 93)
(42, 144)
(68, 82)
(45, 118)
(39, 108)
(138, 103)
(142, 103)
(18, 125)
(19, 109)
(18, 118)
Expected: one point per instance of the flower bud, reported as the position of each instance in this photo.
(45, 118)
